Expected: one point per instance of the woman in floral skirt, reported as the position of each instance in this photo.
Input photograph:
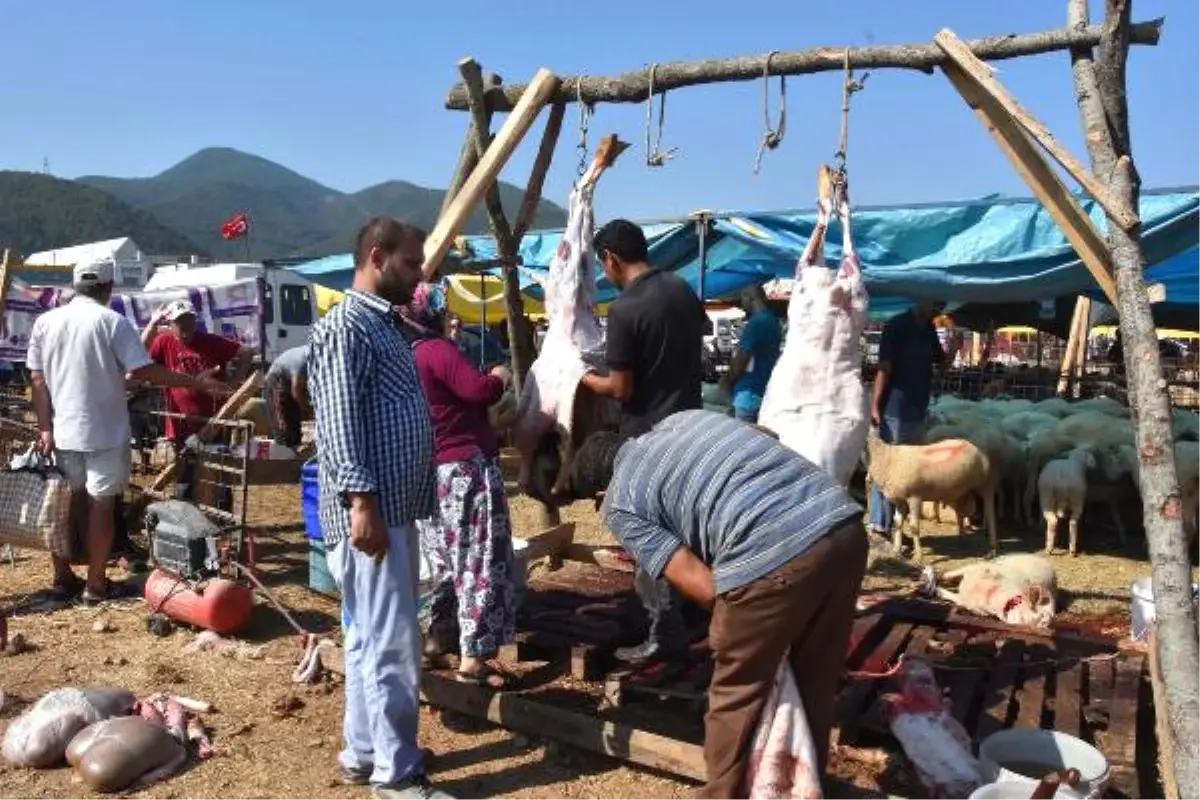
(469, 544)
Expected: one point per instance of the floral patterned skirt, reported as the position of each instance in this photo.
(469, 547)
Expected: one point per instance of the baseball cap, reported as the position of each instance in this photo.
(93, 272)
(178, 308)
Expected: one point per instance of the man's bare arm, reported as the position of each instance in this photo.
(42, 406)
(617, 384)
(691, 577)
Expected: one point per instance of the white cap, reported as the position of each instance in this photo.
(178, 308)
(94, 272)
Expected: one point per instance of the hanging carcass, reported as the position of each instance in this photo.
(556, 413)
(815, 402)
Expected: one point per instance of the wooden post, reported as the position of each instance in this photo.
(537, 176)
(1085, 329)
(1033, 169)
(982, 76)
(438, 243)
(1101, 94)
(5, 282)
(1067, 368)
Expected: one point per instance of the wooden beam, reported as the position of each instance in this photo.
(544, 84)
(632, 87)
(227, 411)
(1067, 369)
(1046, 186)
(517, 713)
(5, 282)
(480, 133)
(469, 157)
(981, 75)
(537, 176)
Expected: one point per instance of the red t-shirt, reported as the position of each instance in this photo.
(203, 352)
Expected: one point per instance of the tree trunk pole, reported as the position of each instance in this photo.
(632, 87)
(1100, 90)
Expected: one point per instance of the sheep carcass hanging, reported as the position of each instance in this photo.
(555, 412)
(815, 401)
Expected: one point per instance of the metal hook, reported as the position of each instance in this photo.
(850, 85)
(585, 116)
(656, 156)
(772, 136)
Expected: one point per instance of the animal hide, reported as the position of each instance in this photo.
(815, 400)
(935, 742)
(783, 759)
(573, 345)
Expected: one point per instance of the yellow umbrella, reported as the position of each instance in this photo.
(326, 298)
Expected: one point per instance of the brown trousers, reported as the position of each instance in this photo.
(807, 605)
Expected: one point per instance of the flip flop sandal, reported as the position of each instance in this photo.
(112, 591)
(488, 676)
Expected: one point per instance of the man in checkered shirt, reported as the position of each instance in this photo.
(375, 444)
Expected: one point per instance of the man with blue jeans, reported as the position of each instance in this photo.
(375, 445)
(909, 352)
(758, 350)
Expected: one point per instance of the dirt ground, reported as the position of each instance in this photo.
(262, 754)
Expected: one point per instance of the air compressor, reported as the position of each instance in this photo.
(194, 578)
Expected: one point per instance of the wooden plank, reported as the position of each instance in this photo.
(1162, 727)
(543, 85)
(1045, 184)
(1068, 684)
(1123, 711)
(998, 691)
(985, 81)
(526, 715)
(1100, 683)
(527, 216)
(1031, 698)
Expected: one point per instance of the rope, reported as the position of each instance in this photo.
(1051, 662)
(656, 157)
(772, 137)
(850, 85)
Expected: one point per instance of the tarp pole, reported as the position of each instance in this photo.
(702, 235)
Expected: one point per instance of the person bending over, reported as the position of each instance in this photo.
(745, 527)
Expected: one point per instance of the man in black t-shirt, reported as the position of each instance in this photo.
(654, 343)
(655, 334)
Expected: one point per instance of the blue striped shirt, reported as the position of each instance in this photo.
(736, 497)
(374, 434)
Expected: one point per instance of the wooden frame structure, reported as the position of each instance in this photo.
(1111, 181)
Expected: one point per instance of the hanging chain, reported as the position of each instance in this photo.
(772, 137)
(585, 116)
(656, 156)
(850, 85)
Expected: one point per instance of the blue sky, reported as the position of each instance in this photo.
(351, 93)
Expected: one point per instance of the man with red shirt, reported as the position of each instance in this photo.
(185, 349)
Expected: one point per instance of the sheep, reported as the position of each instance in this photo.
(945, 472)
(1062, 489)
(1187, 468)
(1024, 423)
(1005, 455)
(1186, 425)
(1019, 589)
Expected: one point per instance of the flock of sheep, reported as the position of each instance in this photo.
(1020, 458)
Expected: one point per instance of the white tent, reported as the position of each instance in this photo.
(123, 249)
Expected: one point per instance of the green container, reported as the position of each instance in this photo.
(319, 578)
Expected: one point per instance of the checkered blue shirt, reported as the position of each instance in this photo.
(374, 433)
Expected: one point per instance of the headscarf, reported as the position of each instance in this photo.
(426, 312)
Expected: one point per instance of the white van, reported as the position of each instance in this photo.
(289, 301)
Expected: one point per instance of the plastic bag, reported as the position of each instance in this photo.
(39, 737)
(30, 459)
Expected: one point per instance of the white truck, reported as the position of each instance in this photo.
(289, 300)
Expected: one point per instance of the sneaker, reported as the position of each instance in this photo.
(353, 777)
(416, 787)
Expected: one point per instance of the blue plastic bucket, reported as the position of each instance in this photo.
(309, 494)
(319, 577)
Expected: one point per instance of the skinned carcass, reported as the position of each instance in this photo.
(556, 413)
(815, 401)
(783, 756)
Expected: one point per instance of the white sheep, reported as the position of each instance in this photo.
(1062, 490)
(945, 472)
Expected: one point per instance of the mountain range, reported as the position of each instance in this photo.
(181, 209)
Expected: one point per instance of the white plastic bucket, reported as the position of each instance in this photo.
(1142, 607)
(1049, 751)
(1010, 790)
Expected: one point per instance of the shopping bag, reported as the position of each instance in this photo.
(35, 505)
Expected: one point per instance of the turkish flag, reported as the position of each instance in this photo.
(236, 226)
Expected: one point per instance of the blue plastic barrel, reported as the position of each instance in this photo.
(309, 494)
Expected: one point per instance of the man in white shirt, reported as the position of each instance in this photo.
(78, 358)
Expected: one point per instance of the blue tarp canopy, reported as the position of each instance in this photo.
(991, 250)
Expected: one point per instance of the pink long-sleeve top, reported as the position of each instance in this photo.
(458, 396)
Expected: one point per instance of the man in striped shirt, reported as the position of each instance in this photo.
(745, 527)
(375, 445)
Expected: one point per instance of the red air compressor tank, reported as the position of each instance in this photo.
(220, 605)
